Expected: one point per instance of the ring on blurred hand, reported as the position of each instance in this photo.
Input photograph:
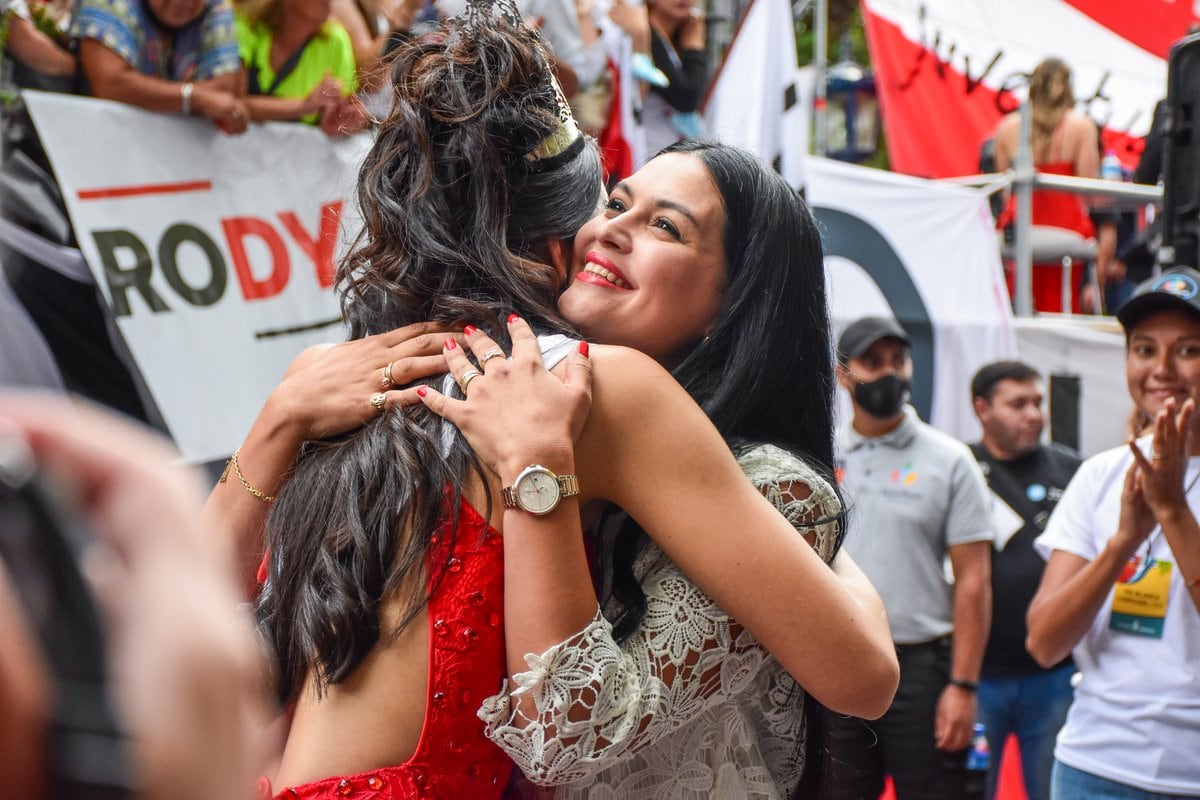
(379, 399)
(386, 381)
(467, 377)
(495, 352)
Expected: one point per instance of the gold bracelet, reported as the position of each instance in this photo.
(232, 462)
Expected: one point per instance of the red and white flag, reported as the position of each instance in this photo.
(944, 68)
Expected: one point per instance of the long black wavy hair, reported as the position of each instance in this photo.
(456, 221)
(765, 371)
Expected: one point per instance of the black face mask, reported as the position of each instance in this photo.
(885, 397)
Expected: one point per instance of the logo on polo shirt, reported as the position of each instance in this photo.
(1182, 286)
(906, 475)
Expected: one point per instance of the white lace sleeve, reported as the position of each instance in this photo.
(800, 494)
(597, 702)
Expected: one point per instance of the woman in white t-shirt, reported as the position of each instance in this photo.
(1122, 586)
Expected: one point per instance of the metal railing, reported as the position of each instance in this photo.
(1023, 178)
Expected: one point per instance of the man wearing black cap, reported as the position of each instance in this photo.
(1121, 590)
(916, 497)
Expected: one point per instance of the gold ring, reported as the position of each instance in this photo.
(489, 355)
(386, 381)
(379, 399)
(466, 379)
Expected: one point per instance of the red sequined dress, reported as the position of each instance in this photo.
(454, 759)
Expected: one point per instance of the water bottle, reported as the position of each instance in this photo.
(979, 757)
(1110, 167)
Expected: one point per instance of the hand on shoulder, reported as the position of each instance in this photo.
(515, 411)
(328, 388)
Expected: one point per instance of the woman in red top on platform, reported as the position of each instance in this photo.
(1064, 142)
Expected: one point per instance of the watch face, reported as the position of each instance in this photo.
(537, 492)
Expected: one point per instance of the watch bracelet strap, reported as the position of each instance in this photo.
(568, 486)
(510, 496)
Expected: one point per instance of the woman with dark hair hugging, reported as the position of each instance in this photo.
(406, 576)
(711, 264)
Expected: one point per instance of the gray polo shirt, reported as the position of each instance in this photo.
(911, 494)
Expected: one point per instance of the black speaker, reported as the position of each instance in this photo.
(1181, 157)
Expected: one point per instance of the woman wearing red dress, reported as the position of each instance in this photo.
(1064, 142)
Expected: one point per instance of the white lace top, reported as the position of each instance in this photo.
(689, 706)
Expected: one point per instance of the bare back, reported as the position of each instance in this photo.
(377, 717)
(1074, 141)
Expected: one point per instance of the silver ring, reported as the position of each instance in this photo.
(495, 352)
(386, 381)
(467, 377)
(379, 399)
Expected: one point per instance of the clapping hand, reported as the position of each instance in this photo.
(1159, 478)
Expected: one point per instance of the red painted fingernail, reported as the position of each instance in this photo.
(469, 329)
(583, 348)
(451, 344)
(422, 391)
(512, 318)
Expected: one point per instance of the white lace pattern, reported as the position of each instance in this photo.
(690, 707)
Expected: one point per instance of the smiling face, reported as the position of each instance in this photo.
(1162, 360)
(649, 271)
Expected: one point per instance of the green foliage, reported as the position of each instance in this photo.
(848, 19)
(844, 18)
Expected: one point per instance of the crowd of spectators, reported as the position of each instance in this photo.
(325, 62)
(216, 59)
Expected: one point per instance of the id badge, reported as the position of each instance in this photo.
(1140, 597)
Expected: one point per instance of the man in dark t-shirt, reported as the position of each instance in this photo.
(1026, 479)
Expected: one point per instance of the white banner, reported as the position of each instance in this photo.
(926, 254)
(216, 253)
